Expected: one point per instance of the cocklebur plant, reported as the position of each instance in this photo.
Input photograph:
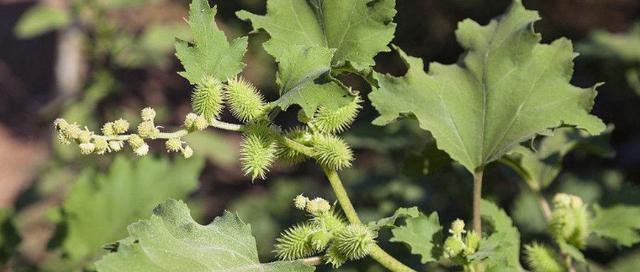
(507, 89)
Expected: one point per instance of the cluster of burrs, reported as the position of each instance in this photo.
(325, 232)
(263, 142)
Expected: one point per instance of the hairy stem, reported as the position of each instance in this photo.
(477, 198)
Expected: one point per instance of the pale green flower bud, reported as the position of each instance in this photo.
(189, 120)
(116, 145)
(473, 242)
(300, 202)
(148, 114)
(200, 123)
(147, 129)
(457, 228)
(101, 145)
(173, 145)
(453, 246)
(187, 152)
(135, 141)
(87, 148)
(120, 126)
(84, 136)
(142, 150)
(318, 205)
(108, 130)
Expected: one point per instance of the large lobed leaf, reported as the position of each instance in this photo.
(210, 54)
(507, 88)
(172, 241)
(422, 234)
(309, 38)
(620, 223)
(100, 206)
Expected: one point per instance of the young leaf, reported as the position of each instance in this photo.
(507, 88)
(421, 234)
(506, 255)
(620, 223)
(211, 54)
(541, 166)
(355, 30)
(100, 206)
(41, 19)
(172, 241)
(390, 221)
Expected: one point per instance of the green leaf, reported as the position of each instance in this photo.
(9, 236)
(541, 166)
(172, 241)
(421, 234)
(100, 206)
(505, 89)
(628, 263)
(504, 240)
(621, 46)
(211, 54)
(355, 30)
(41, 19)
(390, 221)
(620, 223)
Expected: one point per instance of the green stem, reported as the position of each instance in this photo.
(477, 198)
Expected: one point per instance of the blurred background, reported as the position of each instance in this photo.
(92, 61)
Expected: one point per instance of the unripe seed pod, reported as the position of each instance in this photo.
(148, 114)
(540, 258)
(206, 99)
(570, 220)
(295, 243)
(473, 243)
(332, 152)
(354, 241)
(331, 121)
(320, 240)
(453, 246)
(245, 102)
(334, 257)
(258, 153)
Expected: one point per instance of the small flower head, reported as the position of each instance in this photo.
(135, 141)
(457, 228)
(300, 202)
(473, 243)
(87, 148)
(120, 126)
(173, 145)
(148, 114)
(147, 129)
(108, 130)
(190, 120)
(85, 136)
(187, 152)
(245, 102)
(116, 145)
(453, 246)
(200, 123)
(142, 150)
(102, 146)
(318, 206)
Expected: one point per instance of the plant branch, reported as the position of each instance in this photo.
(312, 261)
(176, 134)
(477, 198)
(377, 253)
